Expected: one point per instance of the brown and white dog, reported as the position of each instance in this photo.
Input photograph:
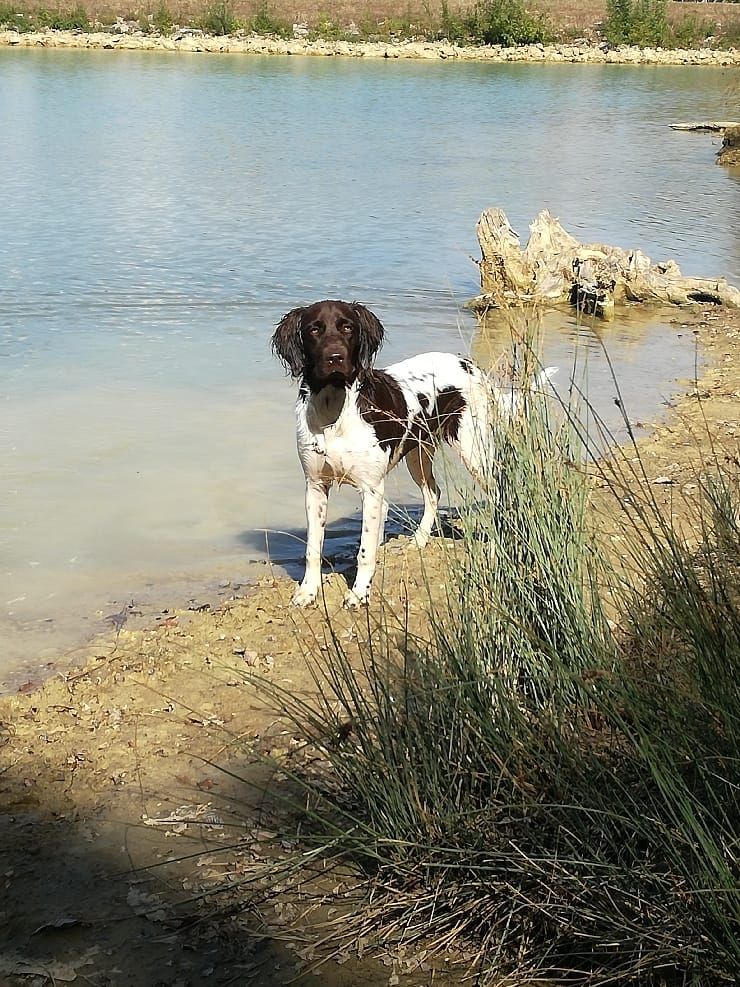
(355, 423)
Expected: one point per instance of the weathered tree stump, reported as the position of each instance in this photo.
(729, 153)
(554, 268)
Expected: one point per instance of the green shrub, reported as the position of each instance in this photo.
(454, 27)
(327, 29)
(390, 29)
(219, 19)
(507, 22)
(11, 19)
(162, 20)
(56, 20)
(692, 31)
(264, 22)
(636, 22)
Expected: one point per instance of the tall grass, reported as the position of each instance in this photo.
(552, 776)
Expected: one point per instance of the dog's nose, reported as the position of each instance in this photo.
(333, 358)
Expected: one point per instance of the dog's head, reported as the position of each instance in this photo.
(329, 342)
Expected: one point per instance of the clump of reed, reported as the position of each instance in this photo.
(551, 778)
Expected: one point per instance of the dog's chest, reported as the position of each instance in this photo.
(338, 444)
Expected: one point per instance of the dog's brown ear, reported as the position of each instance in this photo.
(287, 343)
(371, 334)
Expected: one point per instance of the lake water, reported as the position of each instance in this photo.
(159, 213)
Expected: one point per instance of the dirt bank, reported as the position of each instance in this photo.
(103, 766)
(579, 52)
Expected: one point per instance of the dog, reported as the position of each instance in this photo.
(355, 423)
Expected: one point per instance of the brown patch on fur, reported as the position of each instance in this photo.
(382, 405)
(445, 420)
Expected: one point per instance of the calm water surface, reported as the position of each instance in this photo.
(160, 213)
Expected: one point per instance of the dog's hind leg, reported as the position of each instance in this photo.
(488, 410)
(419, 462)
(383, 519)
(473, 439)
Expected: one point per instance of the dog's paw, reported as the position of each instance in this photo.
(420, 538)
(304, 596)
(353, 601)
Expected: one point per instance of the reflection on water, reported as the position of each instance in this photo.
(640, 360)
(161, 213)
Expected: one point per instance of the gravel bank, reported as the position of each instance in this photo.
(191, 41)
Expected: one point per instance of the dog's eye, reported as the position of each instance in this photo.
(345, 328)
(313, 330)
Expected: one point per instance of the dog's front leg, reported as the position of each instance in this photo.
(317, 498)
(374, 511)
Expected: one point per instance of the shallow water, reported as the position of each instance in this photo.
(161, 212)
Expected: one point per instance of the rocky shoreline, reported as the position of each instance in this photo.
(196, 41)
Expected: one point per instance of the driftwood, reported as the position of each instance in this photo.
(554, 267)
(710, 126)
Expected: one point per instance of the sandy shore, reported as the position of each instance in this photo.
(100, 766)
(193, 41)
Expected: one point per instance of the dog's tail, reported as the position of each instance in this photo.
(511, 399)
(542, 379)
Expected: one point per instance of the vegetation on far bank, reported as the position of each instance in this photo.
(658, 23)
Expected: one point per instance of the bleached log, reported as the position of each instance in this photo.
(554, 267)
(709, 126)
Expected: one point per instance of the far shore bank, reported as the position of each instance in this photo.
(195, 42)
